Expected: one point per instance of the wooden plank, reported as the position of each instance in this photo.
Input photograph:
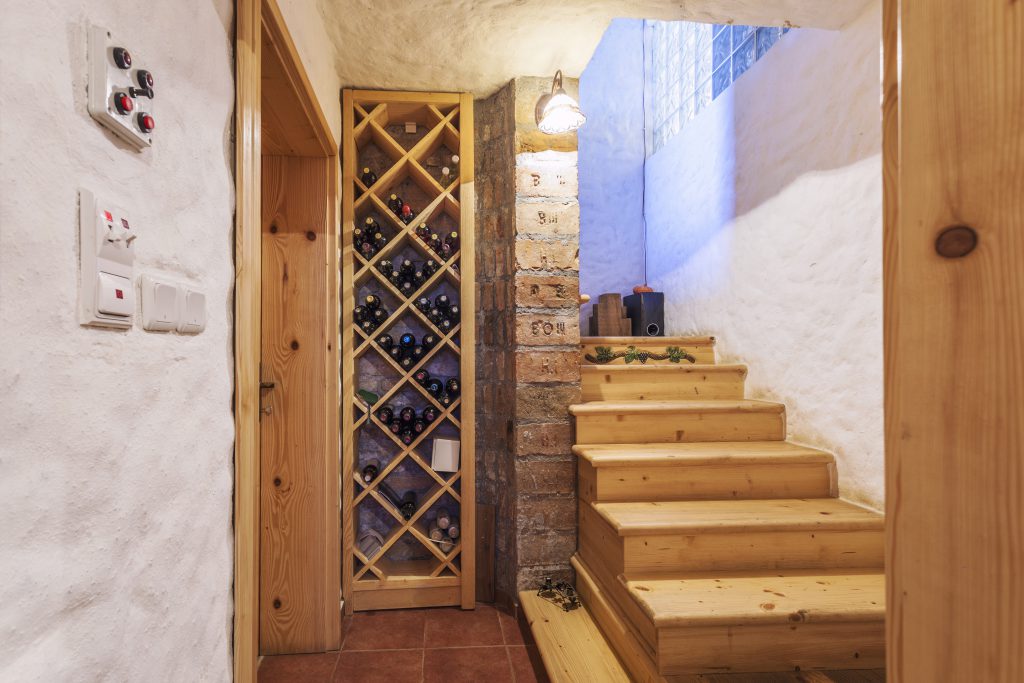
(299, 545)
(485, 552)
(661, 382)
(467, 264)
(406, 598)
(348, 175)
(600, 422)
(954, 154)
(570, 643)
(697, 454)
(248, 127)
(701, 348)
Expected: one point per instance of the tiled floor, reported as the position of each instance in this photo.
(443, 644)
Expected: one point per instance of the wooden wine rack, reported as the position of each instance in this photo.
(409, 570)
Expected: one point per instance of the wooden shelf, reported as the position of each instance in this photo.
(409, 569)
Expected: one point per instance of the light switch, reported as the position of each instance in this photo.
(159, 304)
(114, 295)
(193, 312)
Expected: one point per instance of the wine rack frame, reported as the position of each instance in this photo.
(381, 582)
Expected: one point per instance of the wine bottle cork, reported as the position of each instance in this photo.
(444, 518)
(446, 545)
(436, 534)
(453, 528)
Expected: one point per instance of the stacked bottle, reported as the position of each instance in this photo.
(444, 530)
(442, 312)
(407, 424)
(370, 314)
(369, 238)
(407, 352)
(407, 276)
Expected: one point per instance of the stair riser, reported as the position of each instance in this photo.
(638, 384)
(662, 427)
(704, 482)
(704, 353)
(711, 551)
(855, 645)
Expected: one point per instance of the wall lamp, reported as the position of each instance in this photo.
(557, 112)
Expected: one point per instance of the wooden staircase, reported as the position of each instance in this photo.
(707, 543)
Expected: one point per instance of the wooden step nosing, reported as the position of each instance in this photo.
(684, 407)
(636, 341)
(723, 461)
(802, 616)
(688, 368)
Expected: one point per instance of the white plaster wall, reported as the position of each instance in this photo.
(764, 228)
(116, 447)
(611, 159)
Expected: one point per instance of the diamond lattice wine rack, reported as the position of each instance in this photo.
(407, 339)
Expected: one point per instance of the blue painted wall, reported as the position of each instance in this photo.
(611, 164)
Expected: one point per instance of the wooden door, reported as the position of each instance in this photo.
(954, 339)
(299, 526)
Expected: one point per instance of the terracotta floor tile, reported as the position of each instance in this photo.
(467, 665)
(515, 633)
(390, 666)
(386, 630)
(526, 665)
(454, 627)
(315, 668)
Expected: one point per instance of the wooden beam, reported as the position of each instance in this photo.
(953, 153)
(247, 337)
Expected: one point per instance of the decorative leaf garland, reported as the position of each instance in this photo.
(673, 354)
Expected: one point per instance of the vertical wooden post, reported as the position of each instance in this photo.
(247, 336)
(954, 156)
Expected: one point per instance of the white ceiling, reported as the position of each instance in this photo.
(478, 45)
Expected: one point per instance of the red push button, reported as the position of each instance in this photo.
(146, 122)
(119, 293)
(123, 103)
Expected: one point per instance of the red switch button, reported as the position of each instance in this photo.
(119, 293)
(146, 122)
(123, 103)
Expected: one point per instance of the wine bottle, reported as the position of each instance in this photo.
(434, 315)
(445, 325)
(408, 506)
(386, 414)
(434, 387)
(407, 288)
(372, 227)
(446, 251)
(380, 240)
(389, 494)
(407, 362)
(395, 425)
(367, 250)
(453, 529)
(419, 425)
(406, 214)
(361, 313)
(446, 545)
(407, 341)
(452, 386)
(422, 303)
(371, 470)
(385, 342)
(452, 240)
(430, 267)
(421, 376)
(430, 414)
(407, 414)
(444, 518)
(368, 177)
(407, 269)
(455, 164)
(446, 176)
(419, 278)
(454, 313)
(429, 340)
(423, 231)
(371, 301)
(436, 534)
(395, 278)
(395, 352)
(367, 327)
(435, 243)
(378, 315)
(395, 204)
(442, 302)
(417, 352)
(384, 267)
(407, 436)
(444, 399)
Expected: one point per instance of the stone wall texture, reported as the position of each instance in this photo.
(528, 349)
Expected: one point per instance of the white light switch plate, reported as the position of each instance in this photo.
(159, 304)
(192, 311)
(107, 255)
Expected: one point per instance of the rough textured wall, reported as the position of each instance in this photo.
(495, 373)
(764, 228)
(528, 341)
(116, 447)
(612, 159)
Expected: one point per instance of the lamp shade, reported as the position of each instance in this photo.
(557, 112)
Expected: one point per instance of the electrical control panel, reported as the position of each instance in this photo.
(121, 89)
(107, 255)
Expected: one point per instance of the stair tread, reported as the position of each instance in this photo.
(730, 516)
(698, 453)
(668, 341)
(571, 645)
(703, 406)
(775, 597)
(681, 368)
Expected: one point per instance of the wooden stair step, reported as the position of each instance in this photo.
(571, 645)
(662, 382)
(725, 535)
(703, 471)
(701, 347)
(763, 621)
(679, 421)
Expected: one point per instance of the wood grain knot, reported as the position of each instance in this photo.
(273, 229)
(277, 481)
(295, 345)
(277, 603)
(956, 241)
(310, 235)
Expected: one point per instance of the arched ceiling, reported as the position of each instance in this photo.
(478, 45)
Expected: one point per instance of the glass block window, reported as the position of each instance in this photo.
(690, 64)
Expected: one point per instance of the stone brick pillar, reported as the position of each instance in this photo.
(528, 357)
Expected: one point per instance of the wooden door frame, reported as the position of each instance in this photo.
(252, 19)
